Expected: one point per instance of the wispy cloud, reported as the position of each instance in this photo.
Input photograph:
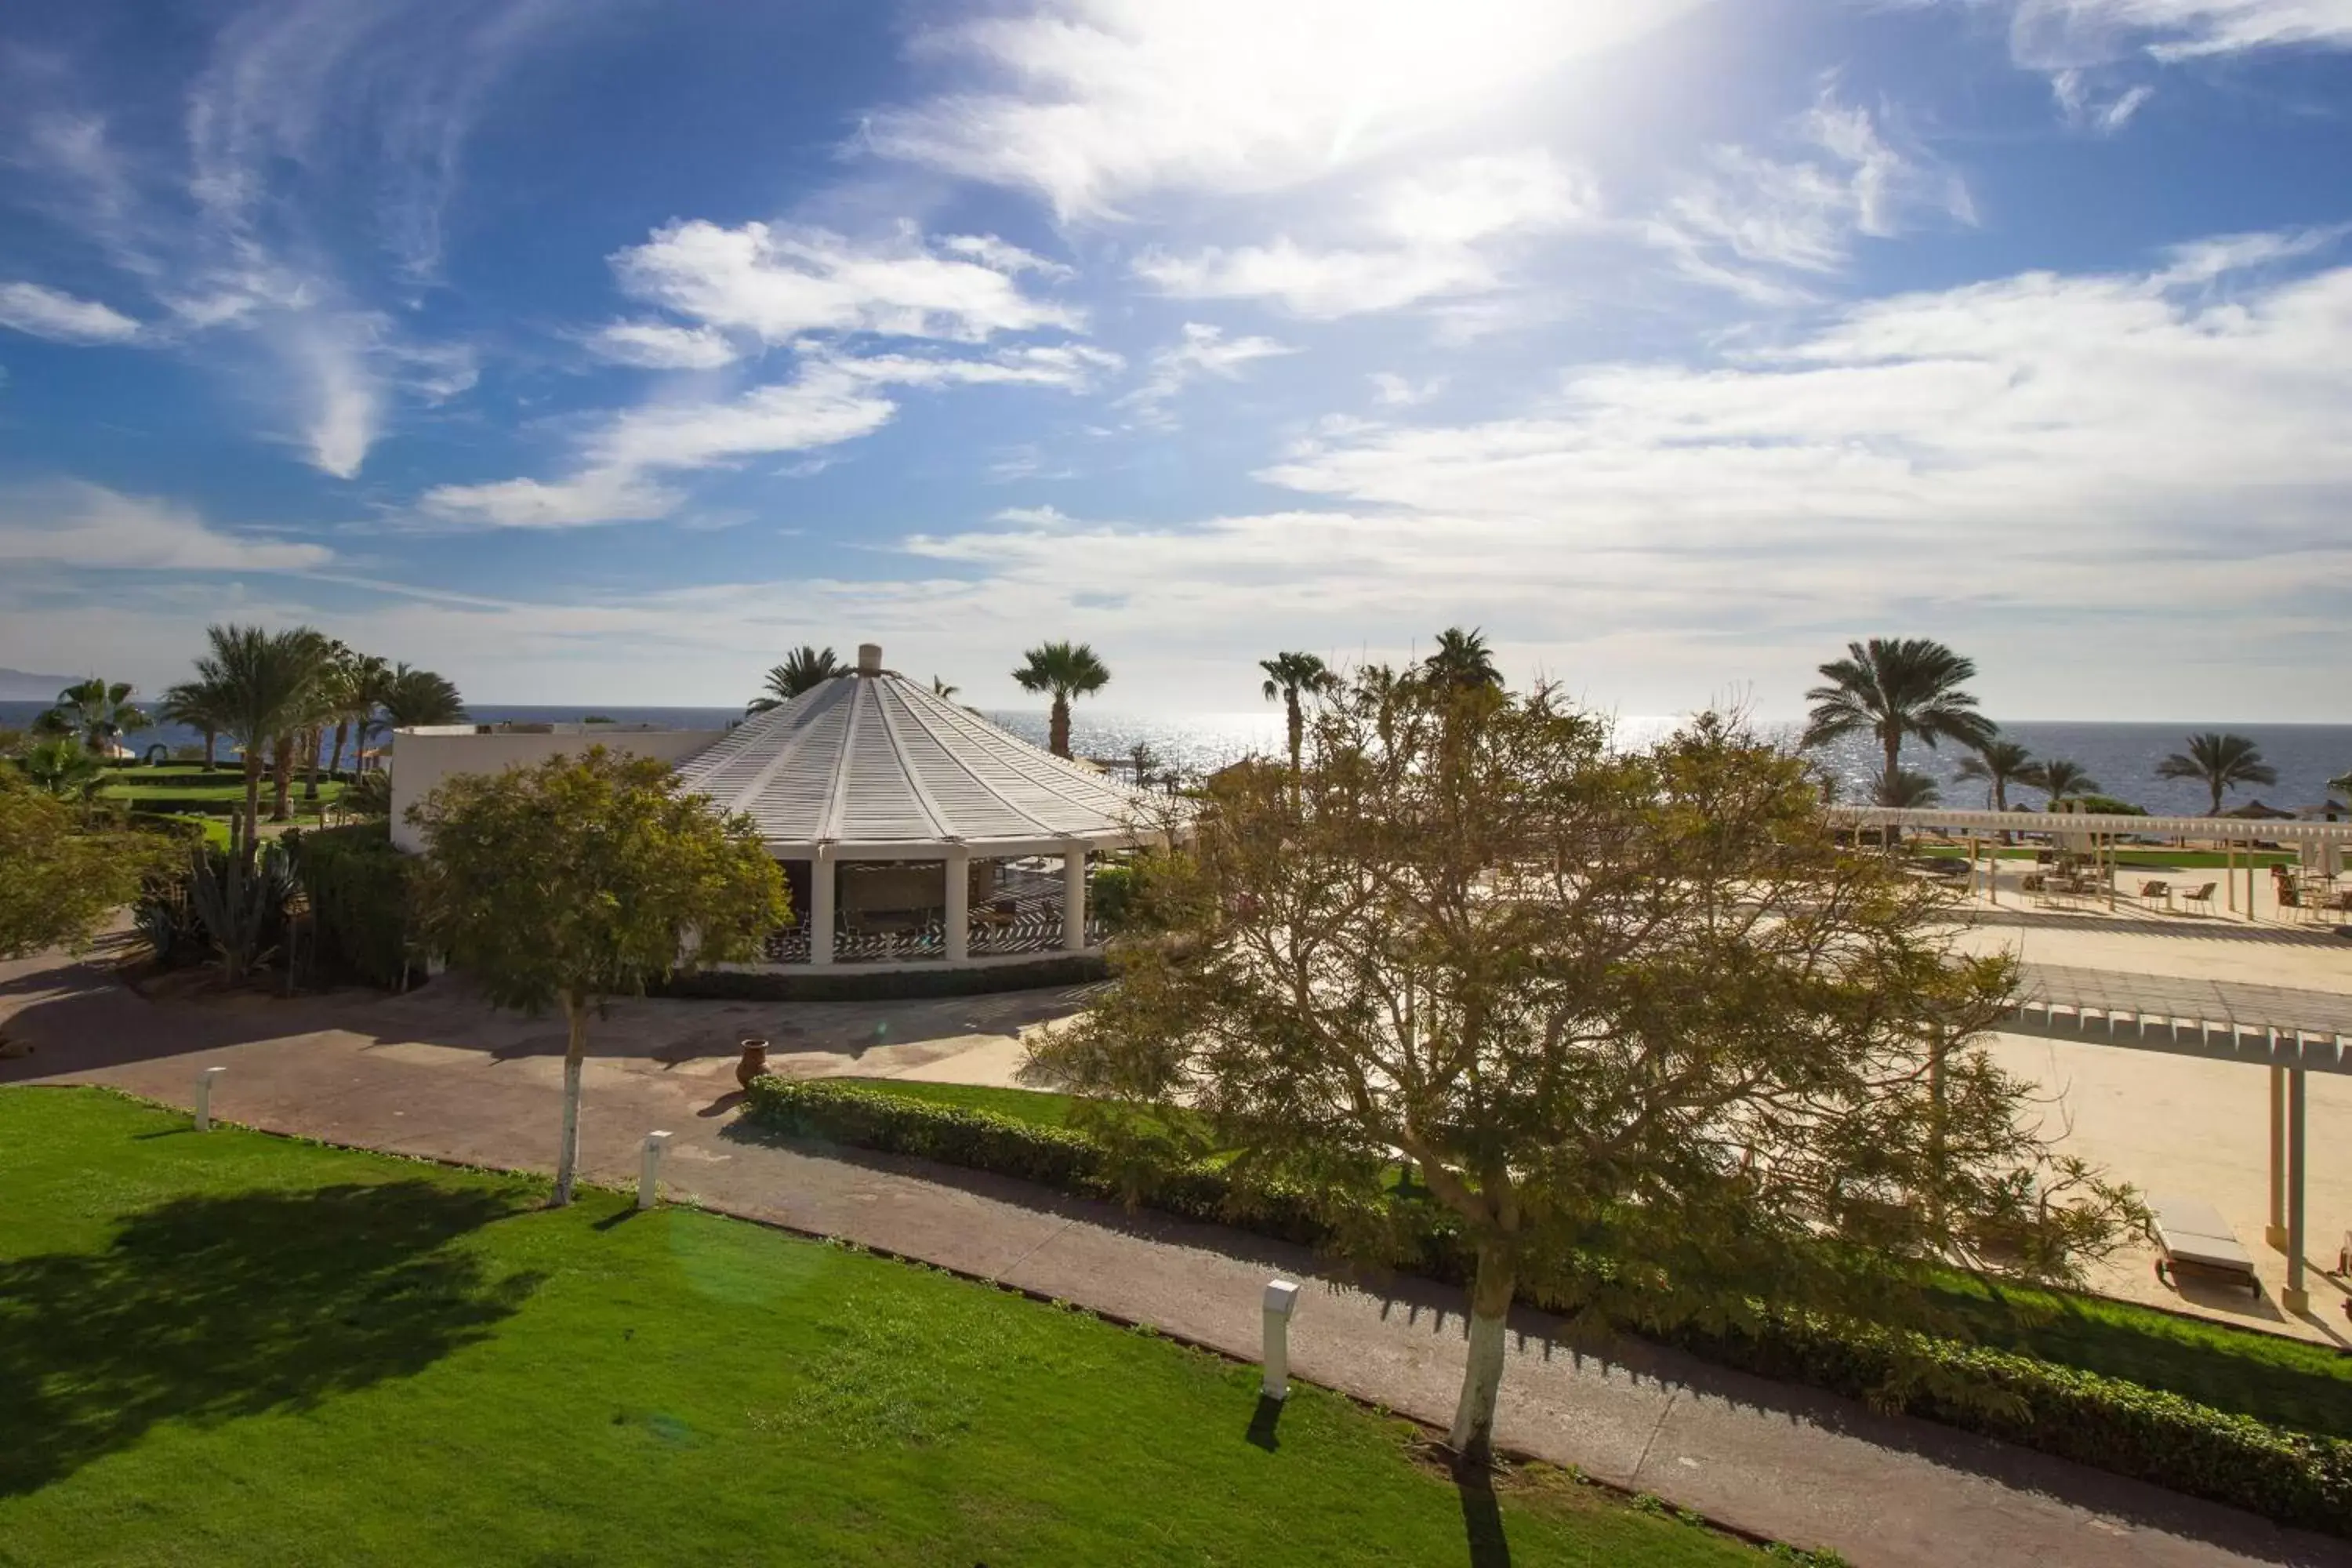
(85, 525)
(1204, 349)
(2058, 33)
(45, 312)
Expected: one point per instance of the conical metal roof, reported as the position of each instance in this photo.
(874, 763)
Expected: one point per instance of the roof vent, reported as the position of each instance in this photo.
(870, 659)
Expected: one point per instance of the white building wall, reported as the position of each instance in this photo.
(420, 758)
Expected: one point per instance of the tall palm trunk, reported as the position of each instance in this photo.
(1894, 744)
(575, 1052)
(1057, 732)
(1472, 1438)
(281, 783)
(252, 815)
(335, 760)
(212, 744)
(1298, 725)
(310, 762)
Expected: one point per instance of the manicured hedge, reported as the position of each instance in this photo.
(2114, 1424)
(358, 885)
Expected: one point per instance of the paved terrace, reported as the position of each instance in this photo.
(435, 1074)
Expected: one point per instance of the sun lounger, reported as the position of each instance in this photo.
(2194, 1242)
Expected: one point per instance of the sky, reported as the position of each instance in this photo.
(602, 351)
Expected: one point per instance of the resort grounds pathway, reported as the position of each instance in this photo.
(435, 1074)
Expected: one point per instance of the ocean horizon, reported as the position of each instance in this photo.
(2122, 757)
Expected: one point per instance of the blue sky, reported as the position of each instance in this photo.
(600, 350)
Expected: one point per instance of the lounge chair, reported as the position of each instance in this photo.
(2199, 895)
(2194, 1242)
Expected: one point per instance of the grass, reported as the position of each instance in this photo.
(2291, 1383)
(235, 1348)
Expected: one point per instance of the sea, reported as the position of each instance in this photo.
(2123, 758)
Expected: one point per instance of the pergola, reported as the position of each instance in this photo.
(896, 812)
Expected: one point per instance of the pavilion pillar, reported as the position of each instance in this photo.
(821, 889)
(1074, 896)
(2294, 1298)
(2230, 876)
(2275, 1232)
(959, 902)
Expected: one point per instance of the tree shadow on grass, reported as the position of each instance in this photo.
(209, 1309)
(1482, 1517)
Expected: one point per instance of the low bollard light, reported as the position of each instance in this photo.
(205, 1098)
(649, 1170)
(1281, 1300)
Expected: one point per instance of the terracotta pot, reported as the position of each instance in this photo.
(754, 1062)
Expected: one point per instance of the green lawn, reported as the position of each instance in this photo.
(234, 1348)
(2292, 1382)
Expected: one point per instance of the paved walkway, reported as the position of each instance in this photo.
(432, 1075)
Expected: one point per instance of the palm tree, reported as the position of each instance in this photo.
(942, 690)
(356, 683)
(2221, 762)
(2063, 780)
(1289, 676)
(411, 698)
(1463, 659)
(94, 711)
(1067, 670)
(1895, 687)
(804, 670)
(63, 766)
(200, 706)
(2341, 784)
(2000, 763)
(1908, 789)
(267, 681)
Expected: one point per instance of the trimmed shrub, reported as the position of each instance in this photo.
(358, 885)
(2104, 1422)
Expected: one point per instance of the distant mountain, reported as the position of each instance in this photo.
(23, 686)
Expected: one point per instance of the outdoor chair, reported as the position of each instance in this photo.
(2151, 891)
(2194, 1242)
(2201, 896)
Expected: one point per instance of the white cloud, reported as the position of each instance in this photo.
(1393, 391)
(61, 318)
(1470, 199)
(657, 345)
(2081, 107)
(1754, 219)
(1203, 351)
(83, 525)
(1093, 102)
(1318, 284)
(2054, 35)
(781, 282)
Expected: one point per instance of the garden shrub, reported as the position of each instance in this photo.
(2114, 1424)
(358, 886)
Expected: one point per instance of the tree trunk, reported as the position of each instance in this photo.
(1472, 1435)
(252, 804)
(310, 757)
(1888, 833)
(281, 779)
(212, 740)
(567, 1157)
(335, 761)
(1057, 734)
(1298, 722)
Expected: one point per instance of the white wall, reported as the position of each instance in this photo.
(422, 758)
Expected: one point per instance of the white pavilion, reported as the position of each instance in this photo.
(912, 831)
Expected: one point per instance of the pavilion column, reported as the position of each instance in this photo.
(1074, 896)
(959, 902)
(2294, 1298)
(821, 898)
(2275, 1232)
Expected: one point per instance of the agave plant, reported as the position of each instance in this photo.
(239, 914)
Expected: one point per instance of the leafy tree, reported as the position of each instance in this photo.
(2000, 763)
(1462, 658)
(411, 698)
(13, 741)
(1067, 670)
(94, 711)
(1896, 689)
(1288, 677)
(2222, 762)
(2061, 779)
(59, 880)
(1656, 1046)
(201, 706)
(583, 879)
(64, 768)
(805, 670)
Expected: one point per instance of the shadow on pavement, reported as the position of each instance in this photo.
(210, 1309)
